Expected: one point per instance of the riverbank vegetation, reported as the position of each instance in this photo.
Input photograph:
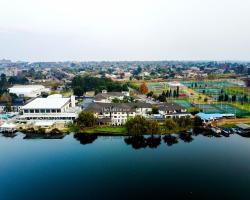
(136, 126)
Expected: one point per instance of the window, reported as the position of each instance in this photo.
(42, 111)
(31, 110)
(47, 110)
(58, 110)
(36, 111)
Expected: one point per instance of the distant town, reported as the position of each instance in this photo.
(124, 98)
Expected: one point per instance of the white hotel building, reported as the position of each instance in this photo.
(53, 108)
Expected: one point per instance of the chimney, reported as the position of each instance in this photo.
(73, 101)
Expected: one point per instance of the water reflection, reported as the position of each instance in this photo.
(85, 138)
(43, 136)
(186, 137)
(170, 140)
(153, 141)
(136, 142)
(10, 135)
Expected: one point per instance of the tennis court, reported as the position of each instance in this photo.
(222, 108)
(209, 91)
(183, 103)
(208, 84)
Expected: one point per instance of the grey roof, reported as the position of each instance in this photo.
(116, 107)
(169, 107)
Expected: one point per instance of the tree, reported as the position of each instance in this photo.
(247, 82)
(115, 100)
(18, 80)
(81, 84)
(226, 97)
(143, 88)
(155, 110)
(3, 84)
(150, 94)
(85, 119)
(234, 98)
(6, 98)
(162, 98)
(170, 124)
(8, 107)
(136, 126)
(197, 122)
(193, 110)
(153, 127)
(177, 92)
(184, 122)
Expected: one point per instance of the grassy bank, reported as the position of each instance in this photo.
(106, 130)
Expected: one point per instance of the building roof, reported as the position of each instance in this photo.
(116, 107)
(47, 103)
(205, 116)
(25, 89)
(169, 107)
(101, 96)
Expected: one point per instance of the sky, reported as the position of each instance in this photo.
(98, 30)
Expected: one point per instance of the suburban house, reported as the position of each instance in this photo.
(52, 108)
(172, 110)
(107, 97)
(118, 113)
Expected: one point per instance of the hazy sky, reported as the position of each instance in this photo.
(53, 30)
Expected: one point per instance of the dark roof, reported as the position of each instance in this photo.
(169, 107)
(116, 107)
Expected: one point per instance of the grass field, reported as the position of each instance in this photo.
(107, 130)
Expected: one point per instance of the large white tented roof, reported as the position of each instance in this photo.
(25, 89)
(46, 103)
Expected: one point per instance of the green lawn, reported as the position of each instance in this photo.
(107, 130)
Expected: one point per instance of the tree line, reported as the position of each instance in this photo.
(168, 94)
(82, 84)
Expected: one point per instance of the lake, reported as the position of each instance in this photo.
(118, 168)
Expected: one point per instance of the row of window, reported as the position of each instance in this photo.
(42, 110)
(50, 118)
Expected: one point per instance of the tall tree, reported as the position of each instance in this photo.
(85, 119)
(144, 88)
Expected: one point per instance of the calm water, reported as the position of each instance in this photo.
(109, 168)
